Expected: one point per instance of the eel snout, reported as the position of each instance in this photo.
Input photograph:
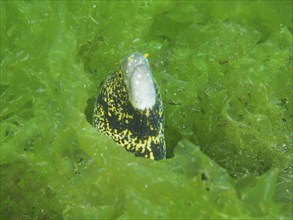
(139, 81)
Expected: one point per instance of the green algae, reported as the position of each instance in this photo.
(225, 74)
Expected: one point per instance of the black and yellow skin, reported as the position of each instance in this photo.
(138, 131)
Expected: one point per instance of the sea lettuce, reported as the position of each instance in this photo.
(224, 70)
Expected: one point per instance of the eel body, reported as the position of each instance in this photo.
(129, 109)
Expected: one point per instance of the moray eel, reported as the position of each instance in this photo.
(129, 109)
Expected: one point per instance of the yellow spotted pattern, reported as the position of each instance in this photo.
(138, 131)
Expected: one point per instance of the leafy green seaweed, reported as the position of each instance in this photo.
(225, 73)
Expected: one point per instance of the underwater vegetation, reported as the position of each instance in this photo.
(224, 71)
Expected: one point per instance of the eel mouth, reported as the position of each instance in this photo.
(139, 81)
